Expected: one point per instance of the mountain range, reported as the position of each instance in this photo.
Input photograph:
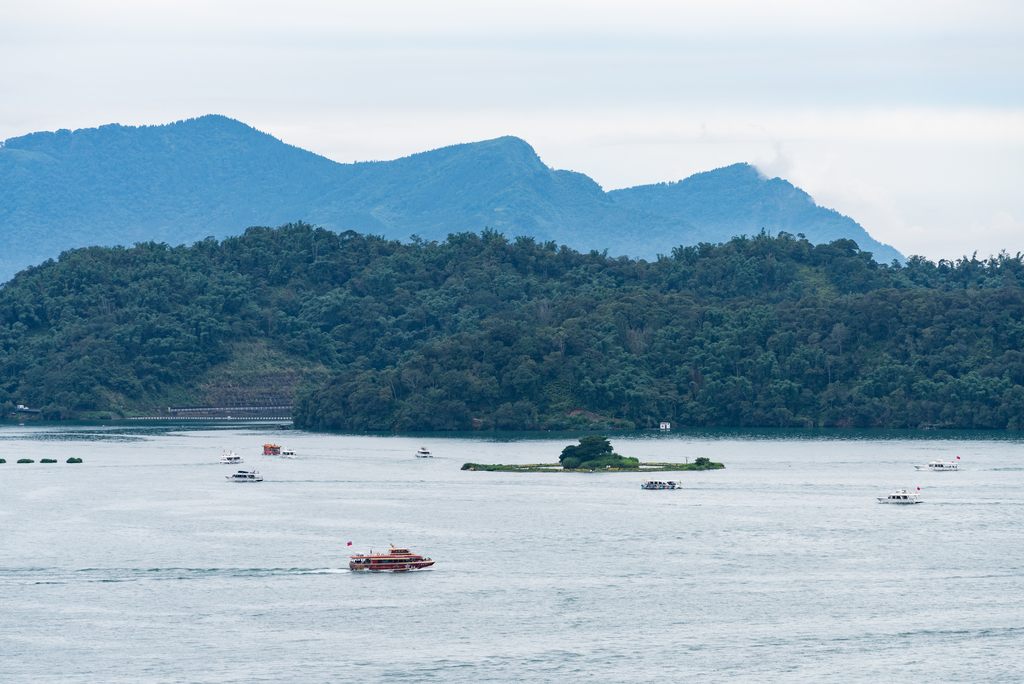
(214, 176)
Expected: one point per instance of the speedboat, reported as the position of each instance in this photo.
(901, 496)
(939, 466)
(658, 484)
(245, 476)
(423, 452)
(230, 457)
(287, 453)
(399, 560)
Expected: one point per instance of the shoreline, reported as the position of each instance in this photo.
(557, 468)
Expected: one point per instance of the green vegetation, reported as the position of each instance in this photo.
(48, 460)
(74, 460)
(118, 185)
(594, 452)
(25, 460)
(557, 468)
(478, 332)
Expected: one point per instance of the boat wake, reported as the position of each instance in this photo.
(64, 576)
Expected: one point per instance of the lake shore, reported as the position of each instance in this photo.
(557, 468)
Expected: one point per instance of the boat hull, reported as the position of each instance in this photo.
(397, 567)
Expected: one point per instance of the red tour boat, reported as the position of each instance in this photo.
(271, 450)
(399, 560)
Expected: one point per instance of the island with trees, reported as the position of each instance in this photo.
(593, 454)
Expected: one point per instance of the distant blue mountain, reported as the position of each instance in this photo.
(214, 176)
(737, 200)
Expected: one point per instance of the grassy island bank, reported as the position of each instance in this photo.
(594, 454)
(699, 464)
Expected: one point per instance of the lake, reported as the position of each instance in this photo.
(144, 564)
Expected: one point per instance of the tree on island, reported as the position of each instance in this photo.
(594, 452)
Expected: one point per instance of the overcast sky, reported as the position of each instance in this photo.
(907, 116)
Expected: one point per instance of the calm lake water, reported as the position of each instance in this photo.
(145, 564)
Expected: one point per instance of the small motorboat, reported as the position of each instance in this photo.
(399, 560)
(287, 453)
(245, 476)
(230, 457)
(902, 496)
(423, 452)
(939, 466)
(659, 484)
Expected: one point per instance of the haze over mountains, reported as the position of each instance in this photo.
(213, 176)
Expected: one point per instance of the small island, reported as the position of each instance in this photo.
(595, 454)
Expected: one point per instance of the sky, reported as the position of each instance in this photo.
(906, 116)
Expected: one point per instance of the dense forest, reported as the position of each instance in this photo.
(479, 332)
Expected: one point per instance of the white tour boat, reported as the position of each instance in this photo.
(901, 496)
(659, 484)
(230, 457)
(244, 476)
(939, 466)
(287, 453)
(423, 452)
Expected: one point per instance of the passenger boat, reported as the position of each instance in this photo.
(423, 452)
(287, 453)
(398, 560)
(230, 457)
(901, 496)
(245, 476)
(939, 466)
(271, 450)
(659, 484)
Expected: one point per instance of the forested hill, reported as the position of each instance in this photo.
(212, 176)
(478, 332)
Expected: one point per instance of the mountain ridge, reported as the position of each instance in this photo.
(214, 176)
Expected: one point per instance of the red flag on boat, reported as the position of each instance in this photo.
(350, 543)
(958, 458)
